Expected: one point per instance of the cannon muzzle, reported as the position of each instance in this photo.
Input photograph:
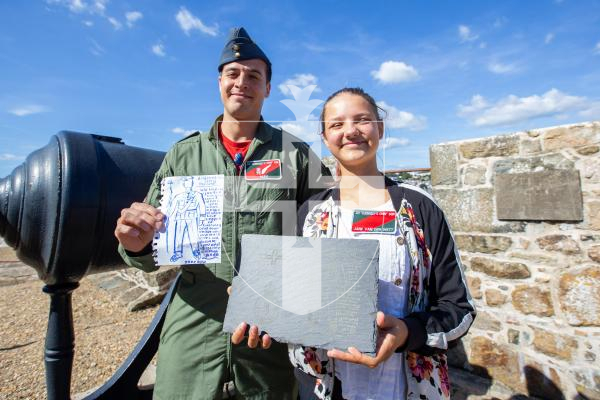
(59, 208)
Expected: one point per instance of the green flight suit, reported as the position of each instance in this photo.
(195, 357)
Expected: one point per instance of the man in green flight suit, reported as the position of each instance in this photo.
(264, 167)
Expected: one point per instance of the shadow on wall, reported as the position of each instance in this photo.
(469, 381)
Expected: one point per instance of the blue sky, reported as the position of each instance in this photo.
(145, 71)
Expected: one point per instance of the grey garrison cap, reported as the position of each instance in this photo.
(241, 47)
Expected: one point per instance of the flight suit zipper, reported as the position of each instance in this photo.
(230, 171)
(236, 207)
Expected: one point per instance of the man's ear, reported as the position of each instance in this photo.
(219, 80)
(268, 89)
(380, 127)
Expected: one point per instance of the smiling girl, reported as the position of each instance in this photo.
(423, 301)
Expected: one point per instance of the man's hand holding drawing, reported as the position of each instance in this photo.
(136, 226)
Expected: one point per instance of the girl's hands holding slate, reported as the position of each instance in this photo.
(393, 333)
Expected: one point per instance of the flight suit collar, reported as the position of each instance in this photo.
(264, 132)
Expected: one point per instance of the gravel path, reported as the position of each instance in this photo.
(105, 333)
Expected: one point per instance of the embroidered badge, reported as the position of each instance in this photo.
(263, 170)
(369, 221)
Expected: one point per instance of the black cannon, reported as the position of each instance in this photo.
(58, 211)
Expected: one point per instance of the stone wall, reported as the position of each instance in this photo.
(525, 211)
(134, 288)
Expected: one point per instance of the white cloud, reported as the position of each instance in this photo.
(300, 80)
(188, 22)
(478, 103)
(597, 48)
(465, 34)
(308, 131)
(82, 6)
(398, 119)
(99, 6)
(549, 38)
(392, 142)
(96, 49)
(183, 132)
(93, 8)
(159, 49)
(132, 17)
(76, 5)
(513, 109)
(10, 157)
(499, 68)
(395, 72)
(116, 24)
(592, 111)
(28, 110)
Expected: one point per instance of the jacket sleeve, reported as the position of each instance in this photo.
(144, 260)
(450, 311)
(302, 213)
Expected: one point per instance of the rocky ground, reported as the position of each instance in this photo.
(105, 332)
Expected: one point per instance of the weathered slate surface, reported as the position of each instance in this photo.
(539, 196)
(315, 292)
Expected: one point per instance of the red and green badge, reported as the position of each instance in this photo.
(370, 221)
(263, 170)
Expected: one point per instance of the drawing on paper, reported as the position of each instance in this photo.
(193, 206)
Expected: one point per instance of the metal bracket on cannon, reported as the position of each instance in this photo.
(58, 211)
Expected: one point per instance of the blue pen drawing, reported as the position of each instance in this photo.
(188, 212)
(193, 206)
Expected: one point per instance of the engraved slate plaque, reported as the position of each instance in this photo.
(539, 196)
(315, 292)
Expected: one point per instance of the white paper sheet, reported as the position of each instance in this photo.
(193, 206)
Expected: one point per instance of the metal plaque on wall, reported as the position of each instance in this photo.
(553, 195)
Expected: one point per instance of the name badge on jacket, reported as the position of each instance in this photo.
(370, 221)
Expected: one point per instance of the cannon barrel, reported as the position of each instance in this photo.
(59, 208)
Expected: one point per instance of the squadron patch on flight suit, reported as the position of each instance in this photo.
(260, 170)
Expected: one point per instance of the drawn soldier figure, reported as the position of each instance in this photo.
(187, 210)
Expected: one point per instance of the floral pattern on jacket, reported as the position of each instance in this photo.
(426, 376)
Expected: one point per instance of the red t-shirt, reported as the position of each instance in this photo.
(232, 148)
